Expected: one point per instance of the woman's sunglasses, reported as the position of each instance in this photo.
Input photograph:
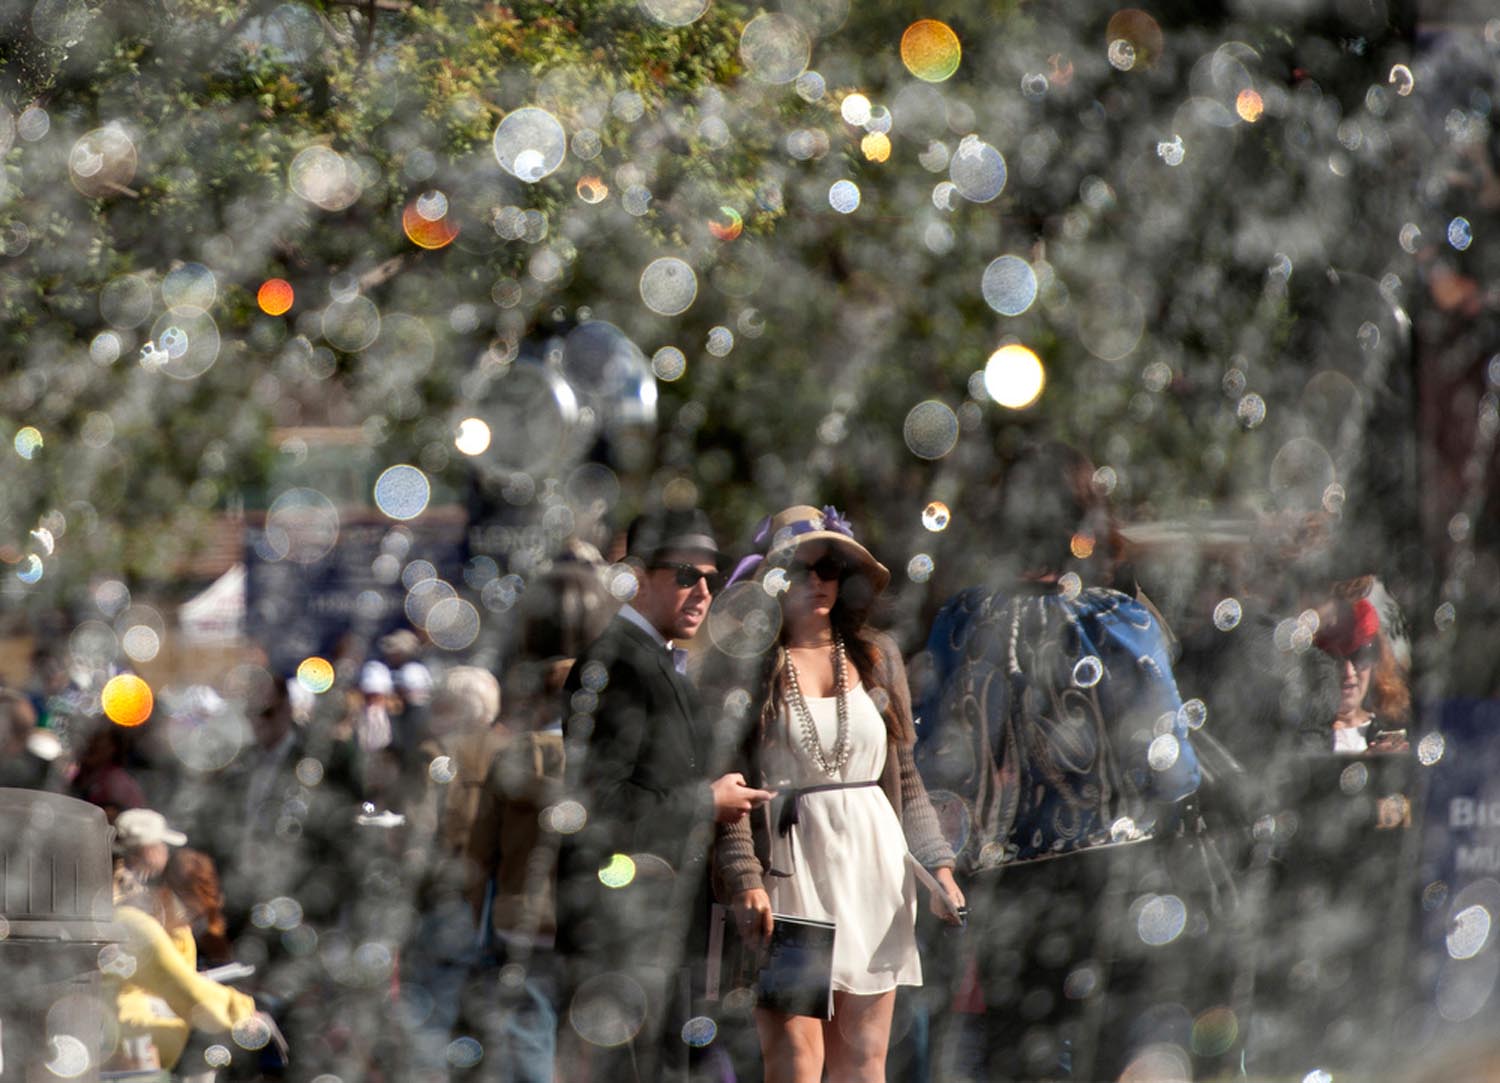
(687, 576)
(1366, 656)
(827, 568)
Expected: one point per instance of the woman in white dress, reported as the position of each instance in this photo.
(831, 730)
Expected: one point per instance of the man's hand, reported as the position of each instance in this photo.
(752, 915)
(733, 798)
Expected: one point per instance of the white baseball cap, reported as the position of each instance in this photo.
(137, 827)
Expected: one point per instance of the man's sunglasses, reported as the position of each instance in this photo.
(687, 576)
(827, 568)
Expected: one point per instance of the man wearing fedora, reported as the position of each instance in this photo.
(632, 884)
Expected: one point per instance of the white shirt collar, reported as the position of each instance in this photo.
(633, 615)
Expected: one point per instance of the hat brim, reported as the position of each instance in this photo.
(173, 838)
(858, 556)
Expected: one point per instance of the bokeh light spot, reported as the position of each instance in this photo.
(876, 147)
(930, 50)
(275, 296)
(844, 197)
(930, 429)
(402, 492)
(727, 225)
(315, 674)
(668, 286)
(936, 516)
(618, 871)
(775, 48)
(127, 700)
(426, 223)
(1249, 106)
(472, 436)
(1014, 376)
(28, 441)
(592, 189)
(1009, 285)
(529, 144)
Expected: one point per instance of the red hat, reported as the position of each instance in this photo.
(1353, 625)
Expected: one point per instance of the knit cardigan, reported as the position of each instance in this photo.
(742, 849)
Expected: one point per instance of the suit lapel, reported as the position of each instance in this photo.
(657, 655)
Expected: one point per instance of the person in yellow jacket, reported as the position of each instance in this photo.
(159, 992)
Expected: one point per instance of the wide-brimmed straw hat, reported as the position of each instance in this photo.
(779, 536)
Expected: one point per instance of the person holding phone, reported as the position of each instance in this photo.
(1373, 696)
(830, 729)
(633, 880)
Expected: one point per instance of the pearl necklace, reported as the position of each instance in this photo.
(829, 763)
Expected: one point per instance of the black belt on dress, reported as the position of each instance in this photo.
(791, 808)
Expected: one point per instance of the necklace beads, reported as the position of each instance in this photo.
(832, 762)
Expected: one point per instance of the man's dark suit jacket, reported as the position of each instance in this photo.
(638, 761)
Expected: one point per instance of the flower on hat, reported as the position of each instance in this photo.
(834, 520)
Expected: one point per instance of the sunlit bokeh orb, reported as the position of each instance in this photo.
(189, 338)
(1227, 614)
(936, 516)
(727, 225)
(668, 286)
(462, 1053)
(876, 147)
(453, 624)
(930, 50)
(855, 109)
(1215, 1031)
(315, 674)
(1160, 919)
(402, 492)
(675, 12)
(127, 700)
(103, 162)
(775, 48)
(530, 144)
(1460, 233)
(919, 568)
(1014, 376)
(1430, 749)
(275, 296)
(1111, 324)
(30, 570)
(1468, 932)
(843, 196)
(743, 620)
(28, 441)
(608, 1010)
(592, 189)
(191, 285)
(302, 525)
(1009, 285)
(618, 871)
(351, 323)
(427, 223)
(325, 178)
(699, 1031)
(1249, 106)
(930, 429)
(977, 170)
(668, 363)
(1402, 79)
(68, 1056)
(1134, 39)
(472, 436)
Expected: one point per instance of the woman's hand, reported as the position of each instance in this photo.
(948, 910)
(752, 915)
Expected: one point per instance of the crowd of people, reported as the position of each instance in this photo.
(431, 879)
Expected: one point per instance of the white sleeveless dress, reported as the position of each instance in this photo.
(847, 852)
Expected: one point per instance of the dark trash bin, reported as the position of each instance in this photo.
(56, 915)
